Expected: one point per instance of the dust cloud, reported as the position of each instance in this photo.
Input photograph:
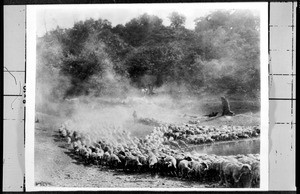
(110, 117)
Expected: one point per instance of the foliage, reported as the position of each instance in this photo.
(177, 20)
(221, 55)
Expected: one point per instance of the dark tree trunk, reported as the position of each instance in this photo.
(226, 107)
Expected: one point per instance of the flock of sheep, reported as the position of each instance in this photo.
(197, 134)
(155, 154)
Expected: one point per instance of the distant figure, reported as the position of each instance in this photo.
(226, 107)
(134, 115)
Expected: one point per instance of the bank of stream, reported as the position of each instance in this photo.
(244, 146)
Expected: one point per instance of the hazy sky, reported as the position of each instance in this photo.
(50, 16)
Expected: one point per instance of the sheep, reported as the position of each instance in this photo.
(61, 128)
(232, 172)
(254, 134)
(132, 163)
(114, 161)
(76, 146)
(161, 165)
(122, 158)
(209, 140)
(197, 169)
(69, 140)
(99, 157)
(255, 174)
(170, 162)
(94, 158)
(105, 158)
(152, 162)
(84, 154)
(183, 168)
(150, 154)
(200, 140)
(64, 132)
(75, 136)
(143, 160)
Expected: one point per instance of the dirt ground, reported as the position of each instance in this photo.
(56, 166)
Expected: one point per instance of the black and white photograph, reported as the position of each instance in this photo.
(170, 96)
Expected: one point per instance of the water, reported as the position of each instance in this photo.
(249, 146)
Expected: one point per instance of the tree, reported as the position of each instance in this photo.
(159, 60)
(231, 40)
(221, 55)
(137, 30)
(50, 55)
(177, 20)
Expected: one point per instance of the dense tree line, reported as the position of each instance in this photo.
(221, 55)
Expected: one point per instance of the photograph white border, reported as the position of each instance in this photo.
(31, 83)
